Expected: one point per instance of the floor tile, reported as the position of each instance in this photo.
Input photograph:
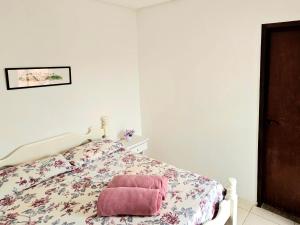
(253, 219)
(271, 216)
(245, 204)
(242, 214)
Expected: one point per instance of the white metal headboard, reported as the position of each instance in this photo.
(47, 147)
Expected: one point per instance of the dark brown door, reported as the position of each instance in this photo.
(279, 135)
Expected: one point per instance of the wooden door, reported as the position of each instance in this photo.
(279, 129)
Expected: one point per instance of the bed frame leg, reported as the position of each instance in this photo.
(232, 196)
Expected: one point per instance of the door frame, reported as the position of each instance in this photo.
(264, 80)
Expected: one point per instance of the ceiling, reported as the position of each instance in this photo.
(136, 4)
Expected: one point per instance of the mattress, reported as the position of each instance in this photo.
(70, 198)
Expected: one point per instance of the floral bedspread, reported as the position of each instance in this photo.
(71, 198)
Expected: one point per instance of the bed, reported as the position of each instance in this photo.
(69, 198)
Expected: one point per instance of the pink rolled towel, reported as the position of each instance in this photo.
(129, 201)
(143, 181)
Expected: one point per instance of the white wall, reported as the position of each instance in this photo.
(199, 69)
(199, 74)
(97, 40)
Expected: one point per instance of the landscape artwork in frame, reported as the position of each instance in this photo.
(30, 77)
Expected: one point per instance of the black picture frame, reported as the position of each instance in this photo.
(10, 87)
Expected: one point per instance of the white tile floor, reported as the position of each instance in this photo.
(252, 215)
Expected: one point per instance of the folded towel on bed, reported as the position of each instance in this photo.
(143, 181)
(129, 201)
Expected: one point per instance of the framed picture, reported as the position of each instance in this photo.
(31, 77)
